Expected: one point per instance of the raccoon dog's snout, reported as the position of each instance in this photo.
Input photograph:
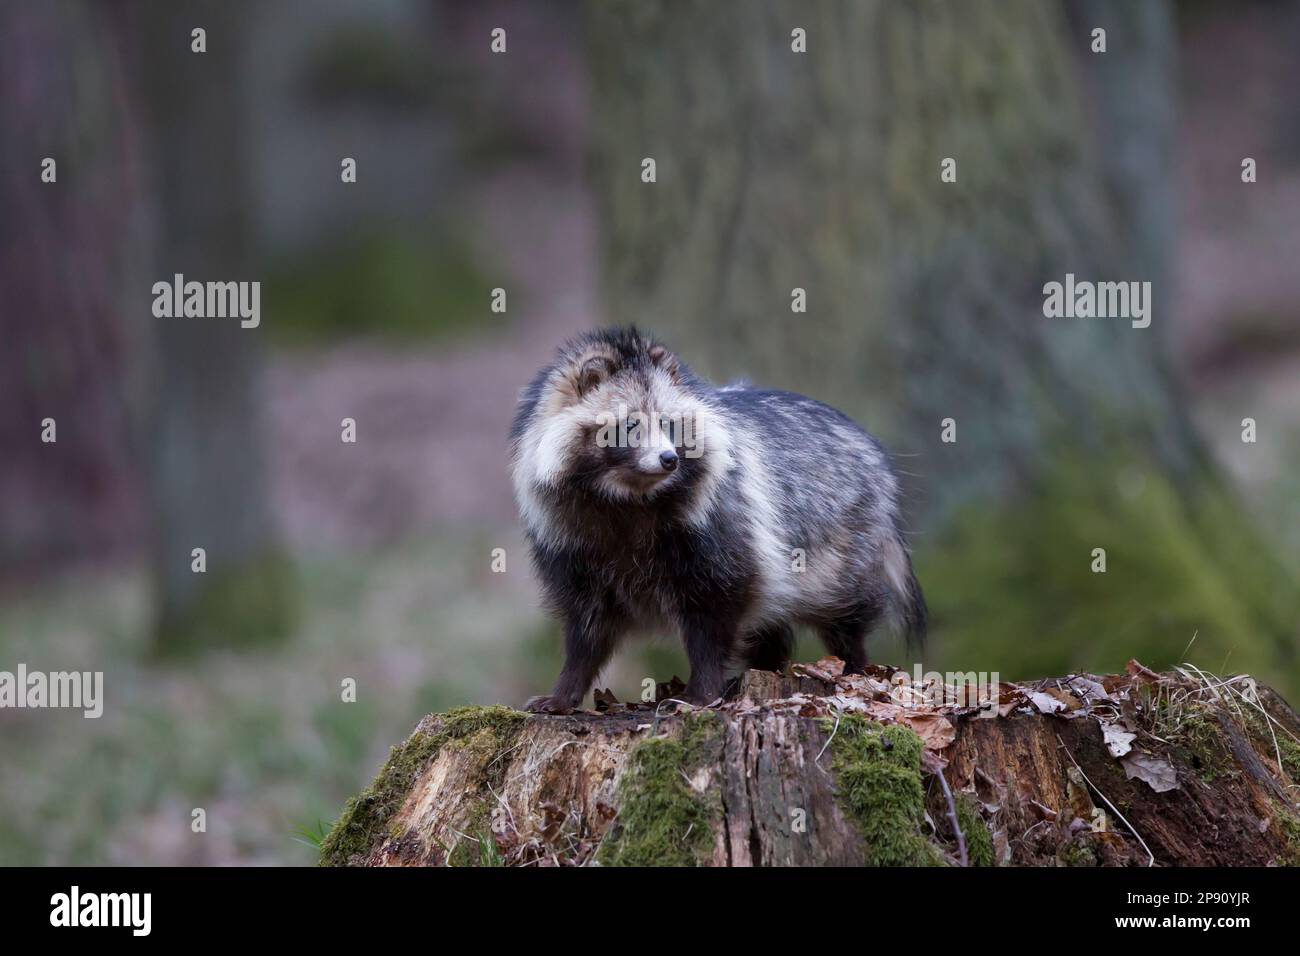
(690, 520)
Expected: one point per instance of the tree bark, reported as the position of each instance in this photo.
(814, 768)
(68, 352)
(205, 456)
(779, 170)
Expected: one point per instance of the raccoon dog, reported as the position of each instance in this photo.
(652, 499)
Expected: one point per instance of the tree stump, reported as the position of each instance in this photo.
(814, 767)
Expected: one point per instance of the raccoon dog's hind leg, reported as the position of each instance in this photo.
(769, 648)
(846, 636)
(710, 643)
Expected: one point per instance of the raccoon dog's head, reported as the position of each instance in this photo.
(617, 415)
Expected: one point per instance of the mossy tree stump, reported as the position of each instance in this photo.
(816, 768)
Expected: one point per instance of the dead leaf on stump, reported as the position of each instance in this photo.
(935, 730)
(672, 689)
(864, 686)
(1068, 700)
(1136, 669)
(1156, 772)
(605, 700)
(1045, 703)
(1118, 740)
(827, 669)
(932, 762)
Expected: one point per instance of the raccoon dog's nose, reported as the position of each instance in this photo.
(668, 459)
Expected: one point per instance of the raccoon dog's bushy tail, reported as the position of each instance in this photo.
(907, 611)
(915, 615)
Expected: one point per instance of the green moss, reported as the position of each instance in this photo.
(485, 729)
(1263, 733)
(662, 820)
(979, 841)
(1198, 742)
(1077, 852)
(1290, 756)
(878, 770)
(1288, 822)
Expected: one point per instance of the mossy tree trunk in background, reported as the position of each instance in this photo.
(206, 463)
(779, 170)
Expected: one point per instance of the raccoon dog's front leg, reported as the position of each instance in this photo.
(708, 648)
(589, 640)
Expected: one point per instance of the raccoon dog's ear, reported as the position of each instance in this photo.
(592, 373)
(660, 357)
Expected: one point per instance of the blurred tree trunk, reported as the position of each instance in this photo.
(206, 463)
(67, 346)
(821, 170)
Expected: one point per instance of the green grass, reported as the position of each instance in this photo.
(259, 738)
(312, 835)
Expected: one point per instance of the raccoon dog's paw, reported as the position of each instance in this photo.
(702, 696)
(548, 705)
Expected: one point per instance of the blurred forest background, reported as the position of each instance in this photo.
(522, 171)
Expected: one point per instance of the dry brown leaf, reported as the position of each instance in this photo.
(935, 730)
(1071, 702)
(1010, 696)
(1043, 811)
(1077, 792)
(1088, 688)
(854, 684)
(863, 685)
(827, 669)
(605, 699)
(673, 688)
(1117, 685)
(883, 711)
(1002, 846)
(933, 762)
(849, 703)
(812, 706)
(1136, 669)
(1156, 772)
